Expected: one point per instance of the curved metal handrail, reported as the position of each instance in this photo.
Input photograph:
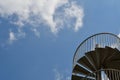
(95, 37)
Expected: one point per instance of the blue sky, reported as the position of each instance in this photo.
(38, 38)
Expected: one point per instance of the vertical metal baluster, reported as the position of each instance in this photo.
(110, 75)
(108, 41)
(118, 76)
(105, 40)
(115, 75)
(101, 44)
(106, 75)
(92, 44)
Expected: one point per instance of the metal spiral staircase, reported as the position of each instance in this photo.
(97, 58)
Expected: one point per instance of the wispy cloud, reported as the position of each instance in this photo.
(60, 76)
(53, 14)
(119, 35)
(36, 32)
(15, 36)
(12, 37)
(76, 12)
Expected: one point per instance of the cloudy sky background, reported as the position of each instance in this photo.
(38, 38)
(53, 14)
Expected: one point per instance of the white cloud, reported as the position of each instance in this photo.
(35, 12)
(58, 76)
(77, 12)
(20, 33)
(36, 32)
(12, 37)
(61, 76)
(15, 36)
(119, 35)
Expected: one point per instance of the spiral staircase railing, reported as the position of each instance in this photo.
(97, 40)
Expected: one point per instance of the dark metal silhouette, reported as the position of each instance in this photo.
(97, 58)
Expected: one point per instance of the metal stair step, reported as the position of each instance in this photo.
(91, 56)
(80, 70)
(84, 62)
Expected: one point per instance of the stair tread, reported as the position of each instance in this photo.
(91, 56)
(101, 55)
(84, 62)
(80, 70)
(106, 55)
(110, 51)
(113, 65)
(115, 55)
(76, 77)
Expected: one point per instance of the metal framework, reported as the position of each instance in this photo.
(106, 74)
(100, 39)
(97, 58)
